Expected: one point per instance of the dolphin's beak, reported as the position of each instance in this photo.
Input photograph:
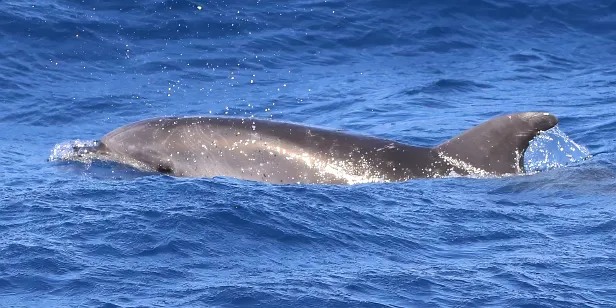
(85, 150)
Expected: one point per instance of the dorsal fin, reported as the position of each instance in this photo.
(496, 146)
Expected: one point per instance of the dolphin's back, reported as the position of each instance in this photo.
(262, 150)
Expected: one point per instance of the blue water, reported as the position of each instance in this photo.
(418, 72)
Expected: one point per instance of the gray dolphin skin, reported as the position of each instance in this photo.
(280, 152)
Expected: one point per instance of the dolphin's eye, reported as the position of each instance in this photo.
(164, 169)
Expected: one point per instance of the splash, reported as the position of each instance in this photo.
(472, 171)
(68, 150)
(553, 149)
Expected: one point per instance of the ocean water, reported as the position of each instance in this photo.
(420, 72)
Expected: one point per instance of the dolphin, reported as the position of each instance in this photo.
(281, 152)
